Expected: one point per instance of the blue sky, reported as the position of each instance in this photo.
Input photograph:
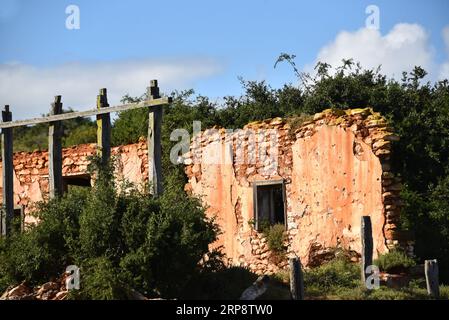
(204, 45)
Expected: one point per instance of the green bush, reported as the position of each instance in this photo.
(339, 272)
(100, 280)
(395, 261)
(384, 293)
(120, 239)
(276, 238)
(44, 249)
(444, 292)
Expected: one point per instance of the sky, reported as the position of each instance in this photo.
(203, 45)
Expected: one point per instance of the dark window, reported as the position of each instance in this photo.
(82, 180)
(269, 206)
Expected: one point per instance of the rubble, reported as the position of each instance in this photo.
(52, 290)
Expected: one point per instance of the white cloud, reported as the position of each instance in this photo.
(405, 46)
(29, 90)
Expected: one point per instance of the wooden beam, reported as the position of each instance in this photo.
(103, 128)
(87, 113)
(432, 281)
(154, 141)
(367, 246)
(296, 279)
(7, 173)
(55, 151)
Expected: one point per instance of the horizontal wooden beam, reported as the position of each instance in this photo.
(87, 113)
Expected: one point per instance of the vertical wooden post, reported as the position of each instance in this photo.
(296, 279)
(154, 142)
(103, 128)
(367, 246)
(7, 171)
(55, 151)
(432, 281)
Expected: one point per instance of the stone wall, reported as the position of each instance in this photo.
(335, 169)
(31, 170)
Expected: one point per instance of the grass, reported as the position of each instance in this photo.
(338, 279)
(395, 261)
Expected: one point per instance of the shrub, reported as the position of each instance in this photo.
(99, 281)
(45, 249)
(394, 261)
(384, 293)
(120, 239)
(339, 272)
(276, 238)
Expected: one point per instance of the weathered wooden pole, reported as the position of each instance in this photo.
(103, 128)
(154, 142)
(55, 151)
(367, 246)
(7, 171)
(432, 281)
(296, 279)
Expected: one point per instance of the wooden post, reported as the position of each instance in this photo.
(296, 279)
(103, 128)
(55, 151)
(367, 246)
(432, 281)
(7, 170)
(154, 142)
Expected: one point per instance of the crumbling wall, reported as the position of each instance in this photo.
(31, 170)
(335, 169)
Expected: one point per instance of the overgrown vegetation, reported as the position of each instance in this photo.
(75, 131)
(418, 111)
(338, 273)
(395, 261)
(276, 237)
(121, 238)
(339, 279)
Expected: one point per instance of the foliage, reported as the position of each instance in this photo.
(100, 281)
(276, 238)
(417, 110)
(394, 261)
(121, 238)
(339, 272)
(75, 131)
(80, 134)
(43, 250)
(340, 280)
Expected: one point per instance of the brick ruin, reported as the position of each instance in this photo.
(332, 170)
(31, 171)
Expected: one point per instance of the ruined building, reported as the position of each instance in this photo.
(325, 175)
(31, 172)
(316, 178)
